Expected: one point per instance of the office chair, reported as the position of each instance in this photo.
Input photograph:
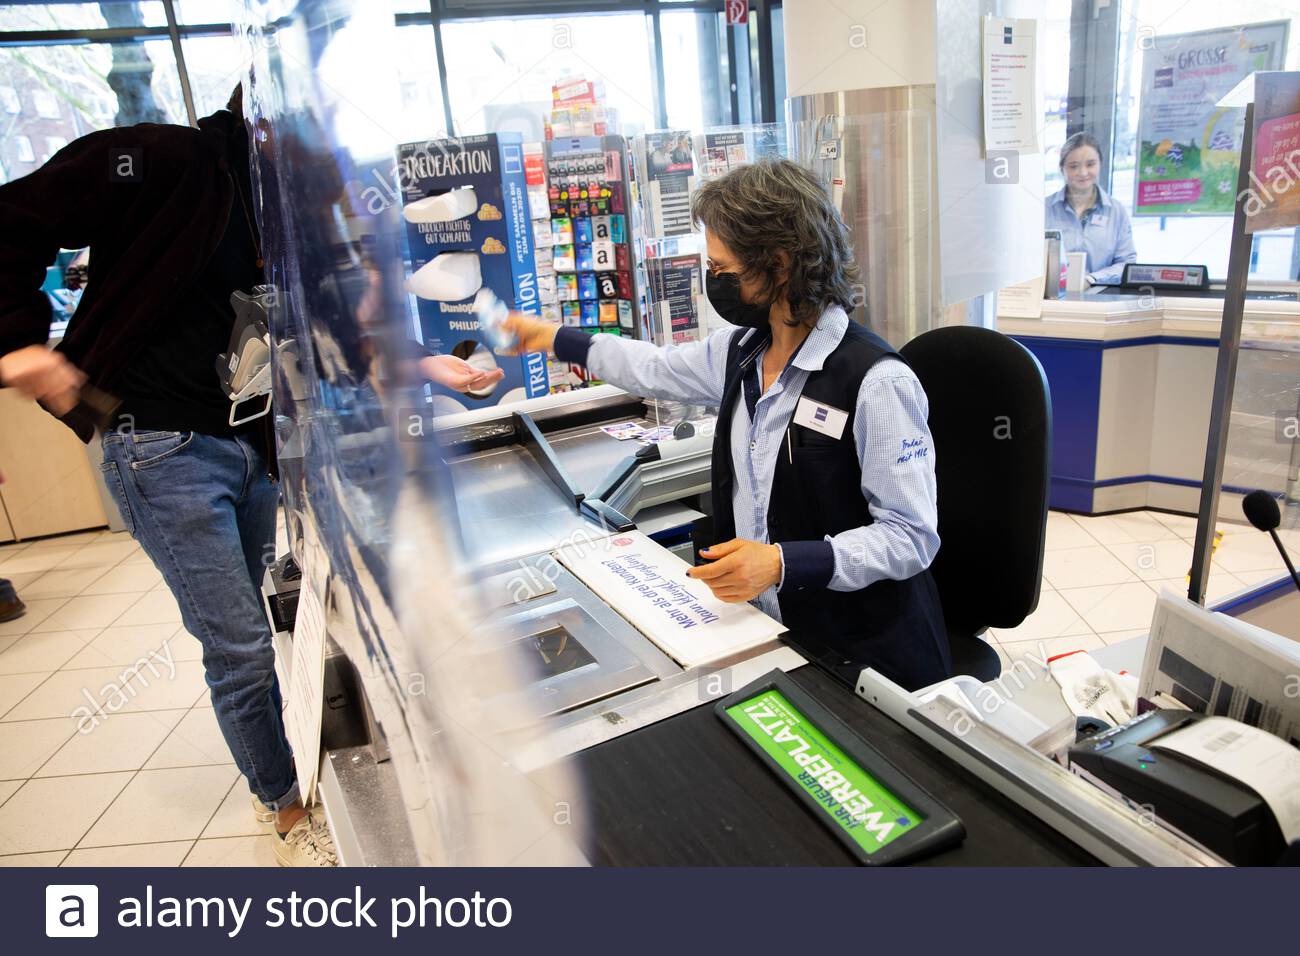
(991, 422)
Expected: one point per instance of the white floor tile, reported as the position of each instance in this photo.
(61, 582)
(1123, 528)
(35, 559)
(152, 607)
(1114, 637)
(37, 611)
(14, 688)
(78, 613)
(1219, 585)
(162, 805)
(101, 554)
(1113, 607)
(233, 851)
(1053, 647)
(23, 581)
(234, 818)
(114, 689)
(125, 578)
(1082, 567)
(120, 646)
(1181, 525)
(1252, 579)
(77, 540)
(8, 642)
(119, 742)
(26, 744)
(8, 788)
(1054, 617)
(54, 814)
(136, 854)
(195, 741)
(1254, 552)
(34, 859)
(1155, 560)
(1063, 531)
(43, 651)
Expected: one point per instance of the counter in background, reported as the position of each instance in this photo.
(1132, 379)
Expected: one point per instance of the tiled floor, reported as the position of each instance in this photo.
(152, 784)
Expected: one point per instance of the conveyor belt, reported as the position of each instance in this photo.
(685, 791)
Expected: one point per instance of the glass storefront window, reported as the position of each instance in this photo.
(697, 91)
(67, 90)
(1171, 161)
(500, 72)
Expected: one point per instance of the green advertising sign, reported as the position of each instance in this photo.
(852, 799)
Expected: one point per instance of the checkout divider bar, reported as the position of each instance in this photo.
(530, 436)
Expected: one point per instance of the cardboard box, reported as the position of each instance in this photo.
(498, 232)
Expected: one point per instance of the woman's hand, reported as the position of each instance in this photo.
(739, 570)
(455, 373)
(533, 335)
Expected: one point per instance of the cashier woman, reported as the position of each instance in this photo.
(823, 467)
(1089, 220)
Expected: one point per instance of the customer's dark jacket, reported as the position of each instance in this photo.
(151, 202)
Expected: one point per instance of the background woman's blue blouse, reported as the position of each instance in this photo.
(1105, 234)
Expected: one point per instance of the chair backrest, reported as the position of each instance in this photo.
(991, 422)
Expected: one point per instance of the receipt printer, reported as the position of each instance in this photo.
(1221, 814)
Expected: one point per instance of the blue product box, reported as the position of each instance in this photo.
(582, 230)
(617, 230)
(487, 240)
(586, 286)
(590, 313)
(582, 259)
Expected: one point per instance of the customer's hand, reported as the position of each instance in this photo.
(455, 373)
(533, 335)
(43, 375)
(739, 570)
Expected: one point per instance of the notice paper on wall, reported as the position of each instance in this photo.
(1011, 112)
(647, 585)
(302, 713)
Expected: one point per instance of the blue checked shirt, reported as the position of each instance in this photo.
(889, 430)
(1105, 233)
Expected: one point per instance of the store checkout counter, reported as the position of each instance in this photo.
(667, 782)
(1132, 377)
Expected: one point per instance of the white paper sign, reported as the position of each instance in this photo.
(647, 585)
(1024, 300)
(306, 692)
(1011, 113)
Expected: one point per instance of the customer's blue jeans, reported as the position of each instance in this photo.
(203, 509)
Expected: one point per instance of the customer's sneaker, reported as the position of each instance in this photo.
(265, 815)
(308, 843)
(10, 606)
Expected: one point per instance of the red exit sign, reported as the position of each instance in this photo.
(737, 12)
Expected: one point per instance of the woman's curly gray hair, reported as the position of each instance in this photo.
(772, 206)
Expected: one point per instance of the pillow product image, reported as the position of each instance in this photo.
(449, 277)
(456, 204)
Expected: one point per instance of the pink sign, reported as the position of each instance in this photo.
(1161, 192)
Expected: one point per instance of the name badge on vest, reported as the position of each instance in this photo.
(825, 419)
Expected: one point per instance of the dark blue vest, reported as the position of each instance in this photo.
(894, 626)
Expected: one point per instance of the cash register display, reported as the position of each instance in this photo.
(1164, 277)
(850, 797)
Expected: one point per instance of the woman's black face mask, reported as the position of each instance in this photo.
(724, 295)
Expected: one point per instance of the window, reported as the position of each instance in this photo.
(47, 104)
(697, 87)
(500, 72)
(23, 149)
(52, 145)
(10, 100)
(1170, 156)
